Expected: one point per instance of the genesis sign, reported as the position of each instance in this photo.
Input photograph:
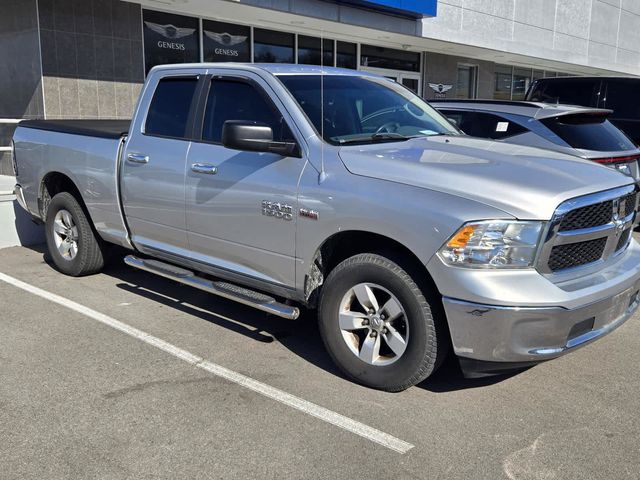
(411, 8)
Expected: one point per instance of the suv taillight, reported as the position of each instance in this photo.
(611, 160)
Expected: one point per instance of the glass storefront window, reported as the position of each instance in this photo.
(537, 74)
(466, 81)
(226, 42)
(381, 57)
(521, 82)
(170, 38)
(347, 55)
(548, 74)
(311, 53)
(502, 89)
(270, 46)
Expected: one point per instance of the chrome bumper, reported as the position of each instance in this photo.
(520, 334)
(17, 191)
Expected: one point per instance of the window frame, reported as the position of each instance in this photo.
(200, 113)
(189, 129)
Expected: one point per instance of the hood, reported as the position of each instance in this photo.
(525, 182)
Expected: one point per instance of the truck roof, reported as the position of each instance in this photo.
(273, 68)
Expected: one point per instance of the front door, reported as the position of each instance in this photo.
(153, 168)
(241, 206)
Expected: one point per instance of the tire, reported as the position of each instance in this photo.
(82, 252)
(353, 351)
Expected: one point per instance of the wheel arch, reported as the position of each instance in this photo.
(57, 182)
(345, 244)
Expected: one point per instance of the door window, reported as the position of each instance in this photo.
(484, 125)
(238, 100)
(168, 114)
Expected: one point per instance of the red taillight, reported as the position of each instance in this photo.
(610, 160)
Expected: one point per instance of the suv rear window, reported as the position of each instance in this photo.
(169, 110)
(589, 132)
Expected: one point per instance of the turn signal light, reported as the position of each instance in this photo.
(460, 239)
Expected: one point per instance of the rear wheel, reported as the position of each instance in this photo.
(72, 243)
(377, 324)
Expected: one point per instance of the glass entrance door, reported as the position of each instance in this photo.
(411, 80)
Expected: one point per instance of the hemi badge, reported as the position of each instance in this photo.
(312, 214)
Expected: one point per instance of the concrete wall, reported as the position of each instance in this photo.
(596, 33)
(91, 57)
(21, 90)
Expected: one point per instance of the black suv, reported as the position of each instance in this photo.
(622, 95)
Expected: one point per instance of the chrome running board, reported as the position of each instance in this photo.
(242, 295)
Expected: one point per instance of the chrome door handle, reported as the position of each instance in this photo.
(204, 168)
(137, 158)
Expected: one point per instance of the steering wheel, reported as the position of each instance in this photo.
(386, 127)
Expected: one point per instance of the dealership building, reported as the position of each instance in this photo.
(89, 58)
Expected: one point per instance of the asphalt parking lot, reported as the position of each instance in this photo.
(96, 382)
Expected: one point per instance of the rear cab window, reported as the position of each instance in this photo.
(169, 111)
(589, 132)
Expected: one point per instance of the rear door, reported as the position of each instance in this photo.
(242, 206)
(153, 169)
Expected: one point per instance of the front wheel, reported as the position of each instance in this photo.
(377, 324)
(72, 243)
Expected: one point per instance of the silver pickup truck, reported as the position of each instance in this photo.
(284, 185)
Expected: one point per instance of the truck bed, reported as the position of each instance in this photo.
(90, 128)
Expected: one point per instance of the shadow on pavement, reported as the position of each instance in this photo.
(300, 336)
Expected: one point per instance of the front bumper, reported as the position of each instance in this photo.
(580, 312)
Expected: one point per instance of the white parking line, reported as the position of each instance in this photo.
(324, 414)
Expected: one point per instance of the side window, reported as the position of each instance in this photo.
(485, 125)
(238, 100)
(463, 120)
(168, 114)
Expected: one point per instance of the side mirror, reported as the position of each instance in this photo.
(255, 137)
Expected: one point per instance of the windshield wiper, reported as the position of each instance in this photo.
(376, 137)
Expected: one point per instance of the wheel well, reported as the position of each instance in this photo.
(52, 184)
(343, 245)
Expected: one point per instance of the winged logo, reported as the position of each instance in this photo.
(170, 31)
(440, 87)
(225, 38)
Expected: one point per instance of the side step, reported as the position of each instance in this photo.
(226, 290)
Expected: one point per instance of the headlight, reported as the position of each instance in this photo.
(493, 244)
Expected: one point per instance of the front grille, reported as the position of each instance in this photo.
(587, 217)
(624, 239)
(576, 254)
(629, 203)
(574, 240)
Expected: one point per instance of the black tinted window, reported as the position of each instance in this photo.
(589, 133)
(623, 98)
(484, 125)
(570, 92)
(237, 100)
(169, 110)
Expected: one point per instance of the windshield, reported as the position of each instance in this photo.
(364, 109)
